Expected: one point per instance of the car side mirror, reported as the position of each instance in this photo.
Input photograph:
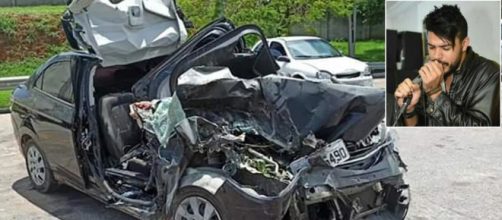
(283, 59)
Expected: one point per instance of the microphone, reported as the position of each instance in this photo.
(417, 80)
(407, 101)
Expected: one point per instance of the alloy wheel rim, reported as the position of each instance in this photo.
(36, 165)
(196, 208)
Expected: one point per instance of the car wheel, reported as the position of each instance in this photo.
(38, 169)
(197, 204)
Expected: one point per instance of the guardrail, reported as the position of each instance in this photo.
(11, 82)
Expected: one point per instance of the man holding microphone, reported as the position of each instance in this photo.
(457, 87)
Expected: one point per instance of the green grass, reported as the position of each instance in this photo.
(56, 49)
(370, 50)
(46, 9)
(5, 98)
(28, 65)
(7, 26)
(20, 68)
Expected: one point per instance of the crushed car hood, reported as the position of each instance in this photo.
(286, 110)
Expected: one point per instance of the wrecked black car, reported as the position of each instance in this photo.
(224, 138)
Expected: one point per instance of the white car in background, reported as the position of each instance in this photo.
(314, 58)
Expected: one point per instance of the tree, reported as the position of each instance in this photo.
(372, 12)
(219, 8)
(275, 17)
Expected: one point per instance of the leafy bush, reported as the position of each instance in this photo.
(7, 26)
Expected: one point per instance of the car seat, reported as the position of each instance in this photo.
(119, 131)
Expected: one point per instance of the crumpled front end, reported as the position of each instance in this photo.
(370, 185)
(262, 127)
(258, 145)
(266, 148)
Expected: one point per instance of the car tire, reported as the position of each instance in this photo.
(38, 169)
(187, 196)
(404, 205)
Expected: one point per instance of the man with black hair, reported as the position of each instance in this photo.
(458, 87)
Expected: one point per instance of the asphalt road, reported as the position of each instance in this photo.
(454, 174)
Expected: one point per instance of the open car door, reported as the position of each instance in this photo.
(124, 31)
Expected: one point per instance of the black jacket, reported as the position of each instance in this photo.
(473, 100)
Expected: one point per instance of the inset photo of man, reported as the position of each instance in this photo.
(442, 63)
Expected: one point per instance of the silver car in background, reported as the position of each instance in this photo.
(315, 59)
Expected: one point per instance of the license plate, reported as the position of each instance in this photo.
(336, 153)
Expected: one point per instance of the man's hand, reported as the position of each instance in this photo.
(405, 89)
(432, 75)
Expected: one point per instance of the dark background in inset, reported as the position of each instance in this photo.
(406, 48)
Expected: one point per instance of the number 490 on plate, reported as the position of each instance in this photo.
(336, 153)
